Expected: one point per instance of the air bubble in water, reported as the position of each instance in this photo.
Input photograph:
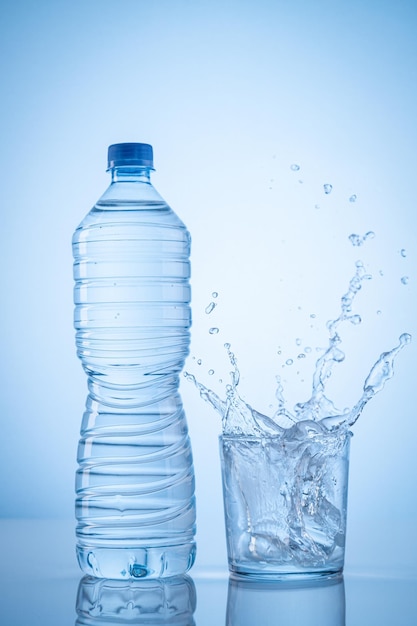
(327, 188)
(213, 331)
(295, 167)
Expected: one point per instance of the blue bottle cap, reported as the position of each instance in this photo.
(120, 154)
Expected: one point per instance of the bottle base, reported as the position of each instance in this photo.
(136, 563)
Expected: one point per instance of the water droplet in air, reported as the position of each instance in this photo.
(353, 197)
(211, 372)
(214, 294)
(298, 342)
(355, 319)
(405, 338)
(316, 206)
(289, 362)
(355, 240)
(307, 349)
(404, 280)
(379, 312)
(313, 315)
(403, 252)
(301, 356)
(199, 362)
(210, 307)
(213, 331)
(295, 167)
(227, 346)
(327, 188)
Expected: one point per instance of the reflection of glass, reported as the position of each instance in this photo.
(158, 601)
(290, 603)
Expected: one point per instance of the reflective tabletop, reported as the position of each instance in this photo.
(41, 584)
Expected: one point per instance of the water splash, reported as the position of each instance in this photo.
(327, 188)
(295, 167)
(353, 197)
(357, 240)
(318, 413)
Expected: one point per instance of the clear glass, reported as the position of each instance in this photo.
(135, 481)
(285, 504)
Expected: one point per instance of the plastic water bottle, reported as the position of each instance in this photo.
(135, 501)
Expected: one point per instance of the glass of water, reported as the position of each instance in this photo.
(285, 502)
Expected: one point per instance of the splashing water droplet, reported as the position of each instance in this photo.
(313, 316)
(355, 319)
(403, 252)
(353, 197)
(211, 372)
(404, 280)
(298, 342)
(295, 167)
(213, 331)
(307, 349)
(199, 362)
(327, 188)
(214, 294)
(301, 356)
(209, 308)
(357, 240)
(289, 362)
(379, 312)
(316, 206)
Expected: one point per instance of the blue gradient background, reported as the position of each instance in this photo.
(230, 94)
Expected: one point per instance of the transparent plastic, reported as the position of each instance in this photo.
(135, 482)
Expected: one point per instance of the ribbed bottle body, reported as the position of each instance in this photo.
(135, 482)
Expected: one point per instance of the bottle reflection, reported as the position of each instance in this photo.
(290, 603)
(159, 601)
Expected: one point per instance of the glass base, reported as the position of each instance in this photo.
(136, 563)
(271, 575)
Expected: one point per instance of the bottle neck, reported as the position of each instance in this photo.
(130, 174)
